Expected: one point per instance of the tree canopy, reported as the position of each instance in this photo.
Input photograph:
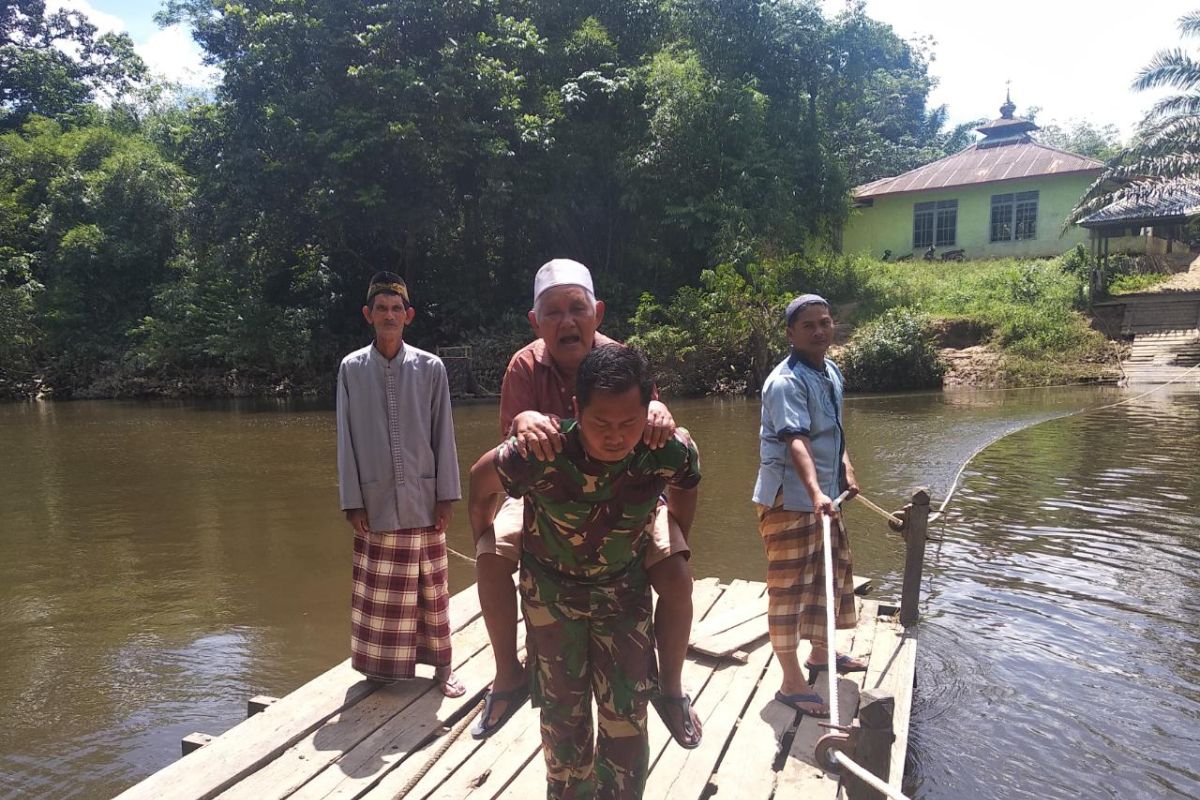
(461, 144)
(1164, 158)
(56, 64)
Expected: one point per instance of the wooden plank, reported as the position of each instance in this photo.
(459, 756)
(750, 595)
(668, 759)
(863, 636)
(697, 675)
(398, 749)
(343, 732)
(728, 642)
(489, 764)
(800, 776)
(259, 703)
(747, 769)
(529, 784)
(687, 773)
(259, 739)
(255, 742)
(496, 764)
(893, 668)
(716, 624)
(193, 742)
(464, 608)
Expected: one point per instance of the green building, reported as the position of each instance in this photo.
(1004, 196)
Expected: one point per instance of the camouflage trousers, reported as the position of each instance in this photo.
(585, 639)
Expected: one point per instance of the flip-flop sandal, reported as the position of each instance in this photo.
(451, 687)
(515, 698)
(793, 701)
(843, 667)
(683, 728)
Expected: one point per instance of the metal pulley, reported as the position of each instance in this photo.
(836, 741)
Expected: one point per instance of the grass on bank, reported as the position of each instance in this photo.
(724, 336)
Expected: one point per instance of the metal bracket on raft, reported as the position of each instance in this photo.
(842, 739)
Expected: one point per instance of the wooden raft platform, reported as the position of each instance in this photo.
(341, 737)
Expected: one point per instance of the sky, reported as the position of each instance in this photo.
(1066, 57)
(1074, 59)
(169, 52)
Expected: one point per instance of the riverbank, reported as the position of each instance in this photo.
(976, 365)
(989, 324)
(905, 325)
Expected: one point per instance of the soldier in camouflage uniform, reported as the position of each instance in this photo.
(584, 589)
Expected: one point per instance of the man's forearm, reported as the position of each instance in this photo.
(681, 504)
(485, 485)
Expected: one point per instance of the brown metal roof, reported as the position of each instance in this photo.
(977, 164)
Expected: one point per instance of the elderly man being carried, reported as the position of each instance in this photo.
(537, 391)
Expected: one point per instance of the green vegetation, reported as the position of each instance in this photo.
(726, 335)
(695, 153)
(1161, 160)
(1128, 284)
(459, 144)
(893, 351)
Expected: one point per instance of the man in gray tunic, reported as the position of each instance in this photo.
(398, 476)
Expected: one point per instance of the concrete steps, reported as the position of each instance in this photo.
(1166, 338)
(1163, 356)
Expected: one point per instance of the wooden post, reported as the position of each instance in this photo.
(873, 750)
(914, 556)
(193, 742)
(259, 703)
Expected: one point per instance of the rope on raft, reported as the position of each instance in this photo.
(447, 740)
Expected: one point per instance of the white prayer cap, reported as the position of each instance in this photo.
(561, 272)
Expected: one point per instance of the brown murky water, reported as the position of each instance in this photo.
(161, 563)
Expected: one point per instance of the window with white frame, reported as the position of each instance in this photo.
(935, 224)
(1014, 217)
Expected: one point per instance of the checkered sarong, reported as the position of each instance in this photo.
(400, 610)
(796, 576)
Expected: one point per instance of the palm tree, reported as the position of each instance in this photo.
(1163, 161)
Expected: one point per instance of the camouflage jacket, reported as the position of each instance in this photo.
(588, 518)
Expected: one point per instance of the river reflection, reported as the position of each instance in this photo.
(1059, 651)
(164, 562)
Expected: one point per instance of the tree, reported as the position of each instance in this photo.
(1101, 142)
(91, 225)
(1164, 158)
(462, 144)
(55, 64)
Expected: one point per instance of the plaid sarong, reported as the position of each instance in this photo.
(400, 610)
(796, 576)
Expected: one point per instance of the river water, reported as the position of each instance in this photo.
(161, 563)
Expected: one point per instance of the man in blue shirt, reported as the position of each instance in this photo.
(803, 465)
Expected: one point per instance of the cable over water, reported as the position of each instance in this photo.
(954, 484)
